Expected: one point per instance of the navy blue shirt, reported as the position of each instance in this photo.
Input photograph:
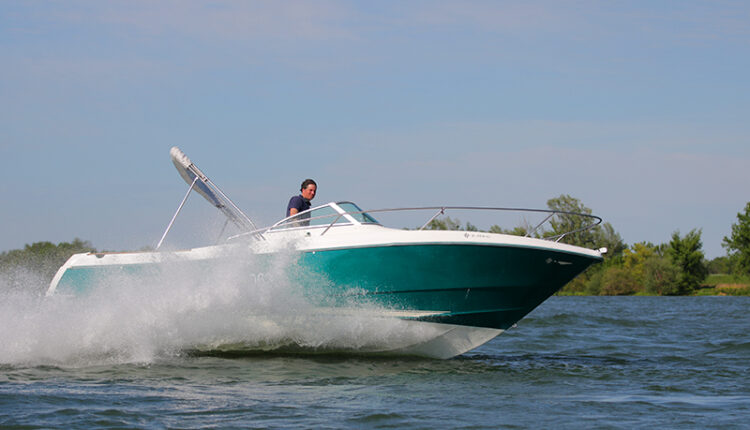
(298, 202)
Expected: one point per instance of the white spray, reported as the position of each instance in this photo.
(234, 306)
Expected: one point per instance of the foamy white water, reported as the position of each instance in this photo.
(237, 304)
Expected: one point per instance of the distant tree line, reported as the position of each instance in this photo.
(39, 261)
(678, 267)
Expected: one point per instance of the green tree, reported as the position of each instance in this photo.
(687, 257)
(594, 279)
(564, 223)
(738, 243)
(635, 257)
(720, 265)
(603, 235)
(42, 258)
(618, 281)
(660, 276)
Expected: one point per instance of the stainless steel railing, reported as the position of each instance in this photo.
(297, 222)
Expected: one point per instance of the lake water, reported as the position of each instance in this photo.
(596, 362)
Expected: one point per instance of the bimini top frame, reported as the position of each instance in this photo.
(199, 182)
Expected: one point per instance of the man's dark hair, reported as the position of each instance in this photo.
(307, 182)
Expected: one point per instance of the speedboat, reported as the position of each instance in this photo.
(457, 289)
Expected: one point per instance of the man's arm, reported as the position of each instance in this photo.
(293, 211)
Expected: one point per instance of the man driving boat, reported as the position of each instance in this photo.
(301, 202)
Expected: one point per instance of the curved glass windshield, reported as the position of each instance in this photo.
(352, 210)
(327, 215)
(321, 216)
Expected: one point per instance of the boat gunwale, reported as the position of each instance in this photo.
(157, 256)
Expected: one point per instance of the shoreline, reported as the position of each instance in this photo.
(728, 289)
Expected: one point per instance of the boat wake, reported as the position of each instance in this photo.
(236, 304)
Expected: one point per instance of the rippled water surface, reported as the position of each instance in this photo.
(605, 362)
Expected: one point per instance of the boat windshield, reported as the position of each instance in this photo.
(323, 215)
(341, 213)
(357, 214)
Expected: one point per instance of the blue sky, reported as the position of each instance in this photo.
(639, 109)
